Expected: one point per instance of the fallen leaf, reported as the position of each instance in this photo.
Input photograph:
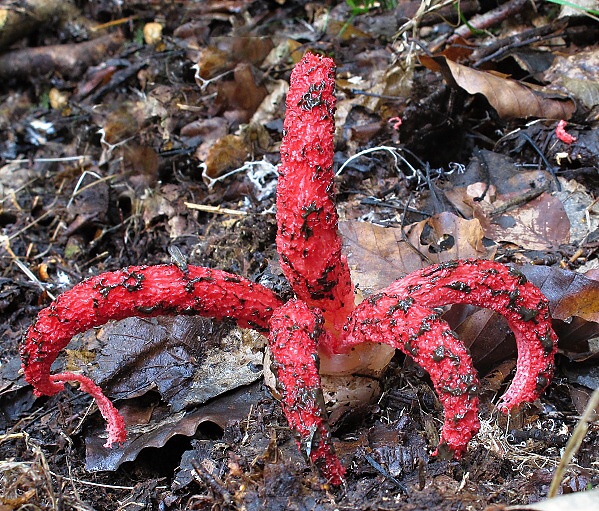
(570, 294)
(224, 53)
(241, 95)
(379, 255)
(273, 105)
(574, 305)
(162, 424)
(227, 153)
(511, 99)
(485, 333)
(577, 75)
(540, 224)
(188, 360)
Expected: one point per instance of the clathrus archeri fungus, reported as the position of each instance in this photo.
(323, 321)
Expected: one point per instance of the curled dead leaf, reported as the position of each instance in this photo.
(511, 99)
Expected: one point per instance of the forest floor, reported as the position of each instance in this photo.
(130, 127)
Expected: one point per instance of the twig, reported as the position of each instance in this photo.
(215, 209)
(69, 60)
(201, 475)
(426, 7)
(385, 473)
(550, 167)
(5, 240)
(488, 19)
(505, 45)
(81, 158)
(519, 200)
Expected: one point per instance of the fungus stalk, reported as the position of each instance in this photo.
(308, 239)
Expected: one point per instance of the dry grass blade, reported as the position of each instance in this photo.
(575, 441)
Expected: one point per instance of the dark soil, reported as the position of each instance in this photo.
(77, 202)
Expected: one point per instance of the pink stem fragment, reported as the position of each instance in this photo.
(562, 134)
(115, 424)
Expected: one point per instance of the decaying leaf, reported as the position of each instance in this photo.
(227, 153)
(241, 95)
(379, 255)
(578, 75)
(511, 99)
(574, 304)
(161, 424)
(539, 224)
(225, 52)
(272, 107)
(485, 333)
(570, 294)
(188, 360)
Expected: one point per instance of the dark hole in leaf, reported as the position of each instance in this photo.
(426, 235)
(209, 430)
(446, 242)
(164, 459)
(7, 219)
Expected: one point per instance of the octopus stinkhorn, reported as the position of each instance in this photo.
(323, 321)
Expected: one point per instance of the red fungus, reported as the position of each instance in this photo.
(505, 290)
(422, 335)
(115, 424)
(295, 331)
(308, 241)
(137, 291)
(562, 134)
(324, 318)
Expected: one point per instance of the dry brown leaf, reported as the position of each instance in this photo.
(540, 224)
(379, 255)
(242, 94)
(228, 152)
(570, 294)
(246, 49)
(225, 53)
(511, 99)
(143, 162)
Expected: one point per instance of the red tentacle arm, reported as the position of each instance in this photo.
(505, 290)
(307, 237)
(139, 291)
(295, 332)
(422, 335)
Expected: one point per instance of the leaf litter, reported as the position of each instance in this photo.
(160, 124)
